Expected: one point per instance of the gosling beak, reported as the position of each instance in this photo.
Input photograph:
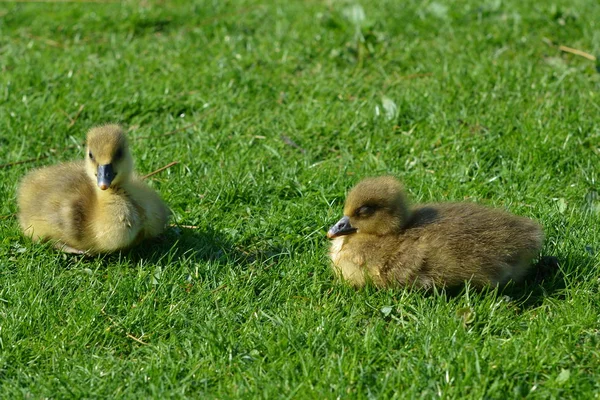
(341, 228)
(105, 176)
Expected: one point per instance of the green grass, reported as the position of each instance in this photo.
(461, 100)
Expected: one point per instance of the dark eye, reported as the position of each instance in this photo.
(91, 155)
(119, 154)
(365, 211)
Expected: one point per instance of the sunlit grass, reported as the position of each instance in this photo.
(284, 106)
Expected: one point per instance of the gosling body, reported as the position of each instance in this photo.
(93, 206)
(381, 239)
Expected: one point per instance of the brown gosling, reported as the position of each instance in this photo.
(382, 240)
(92, 206)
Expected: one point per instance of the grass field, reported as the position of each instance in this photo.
(273, 110)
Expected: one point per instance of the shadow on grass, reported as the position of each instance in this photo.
(545, 280)
(201, 245)
(548, 279)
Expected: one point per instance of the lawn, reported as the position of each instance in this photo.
(274, 110)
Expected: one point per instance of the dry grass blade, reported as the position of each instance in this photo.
(183, 226)
(577, 52)
(169, 165)
(115, 323)
(11, 164)
(74, 119)
(129, 335)
(49, 42)
(180, 129)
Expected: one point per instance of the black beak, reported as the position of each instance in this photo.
(105, 176)
(341, 228)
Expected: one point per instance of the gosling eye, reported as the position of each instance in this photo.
(118, 154)
(90, 155)
(365, 211)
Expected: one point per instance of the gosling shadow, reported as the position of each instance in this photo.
(549, 279)
(177, 242)
(546, 279)
(202, 244)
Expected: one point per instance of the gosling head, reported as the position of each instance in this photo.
(375, 206)
(108, 159)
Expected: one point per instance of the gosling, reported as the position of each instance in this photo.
(382, 240)
(92, 206)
